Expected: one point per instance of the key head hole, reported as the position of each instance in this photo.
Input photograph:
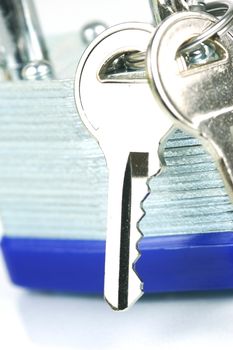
(124, 66)
(207, 54)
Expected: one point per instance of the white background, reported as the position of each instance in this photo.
(32, 321)
(70, 15)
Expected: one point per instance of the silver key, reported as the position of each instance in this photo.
(118, 108)
(196, 87)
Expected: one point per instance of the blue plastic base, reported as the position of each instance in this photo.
(170, 263)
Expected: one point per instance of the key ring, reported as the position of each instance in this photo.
(219, 27)
(136, 60)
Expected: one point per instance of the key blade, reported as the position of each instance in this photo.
(123, 287)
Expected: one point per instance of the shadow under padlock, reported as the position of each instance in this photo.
(53, 201)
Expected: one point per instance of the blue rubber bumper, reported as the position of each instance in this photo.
(168, 264)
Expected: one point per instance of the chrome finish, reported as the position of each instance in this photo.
(196, 5)
(135, 60)
(206, 53)
(199, 99)
(91, 30)
(36, 70)
(22, 40)
(220, 27)
(114, 113)
(164, 8)
(125, 67)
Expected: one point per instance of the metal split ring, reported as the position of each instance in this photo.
(223, 11)
(219, 27)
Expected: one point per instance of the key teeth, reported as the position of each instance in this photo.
(141, 235)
